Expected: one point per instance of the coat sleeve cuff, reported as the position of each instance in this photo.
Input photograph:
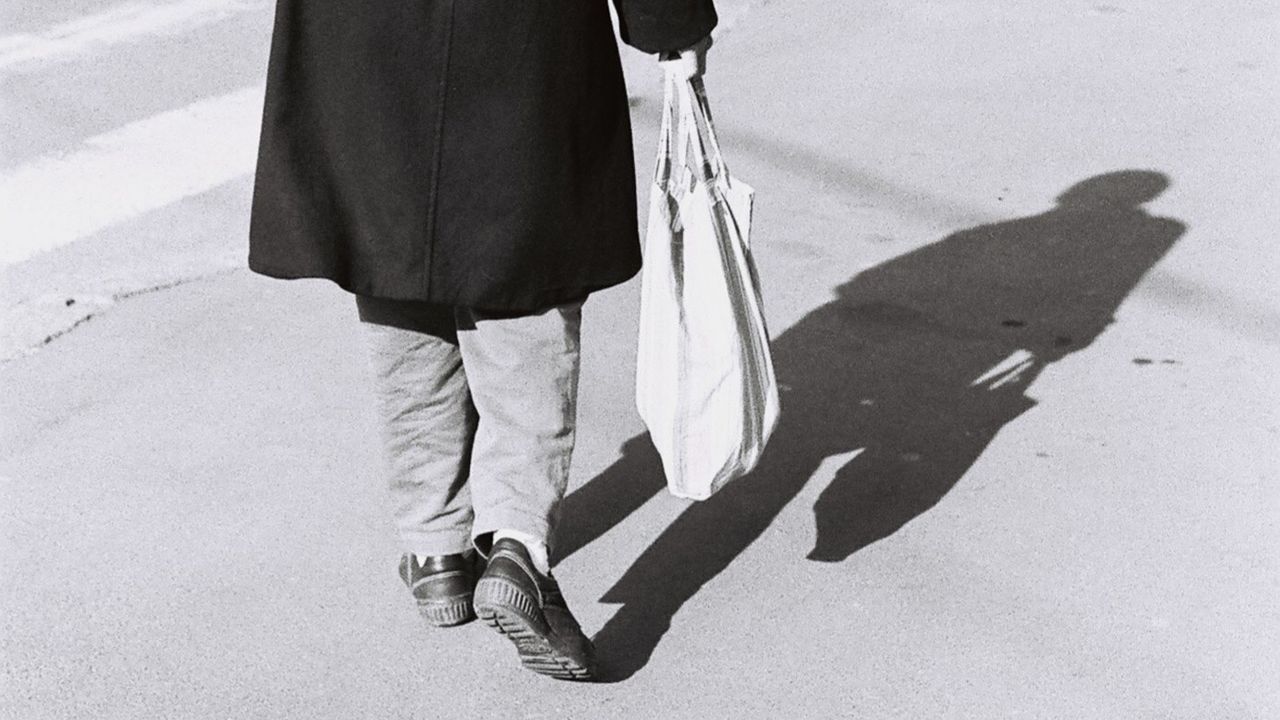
(658, 26)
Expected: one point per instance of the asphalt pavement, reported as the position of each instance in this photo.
(1019, 263)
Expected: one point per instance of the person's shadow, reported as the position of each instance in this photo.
(918, 362)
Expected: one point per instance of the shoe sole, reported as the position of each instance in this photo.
(512, 613)
(447, 614)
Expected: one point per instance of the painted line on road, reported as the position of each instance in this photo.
(121, 24)
(126, 172)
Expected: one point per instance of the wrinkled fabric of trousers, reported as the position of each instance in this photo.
(477, 415)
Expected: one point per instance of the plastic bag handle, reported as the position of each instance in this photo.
(695, 130)
(686, 122)
(666, 138)
(702, 114)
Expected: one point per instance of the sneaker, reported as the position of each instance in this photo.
(526, 606)
(442, 585)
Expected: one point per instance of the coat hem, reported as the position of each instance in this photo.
(528, 302)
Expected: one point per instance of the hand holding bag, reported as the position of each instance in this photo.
(705, 385)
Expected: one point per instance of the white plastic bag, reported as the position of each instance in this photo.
(705, 385)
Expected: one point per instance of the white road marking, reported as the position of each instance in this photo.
(128, 171)
(120, 24)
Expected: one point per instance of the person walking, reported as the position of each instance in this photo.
(464, 168)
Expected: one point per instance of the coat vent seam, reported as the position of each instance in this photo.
(432, 238)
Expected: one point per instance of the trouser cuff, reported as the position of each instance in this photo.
(450, 543)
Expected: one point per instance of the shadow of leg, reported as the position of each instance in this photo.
(915, 458)
(627, 641)
(701, 543)
(596, 507)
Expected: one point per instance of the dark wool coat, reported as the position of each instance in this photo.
(466, 152)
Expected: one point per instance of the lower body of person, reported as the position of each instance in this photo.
(477, 414)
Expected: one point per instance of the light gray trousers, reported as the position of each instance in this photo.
(477, 417)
